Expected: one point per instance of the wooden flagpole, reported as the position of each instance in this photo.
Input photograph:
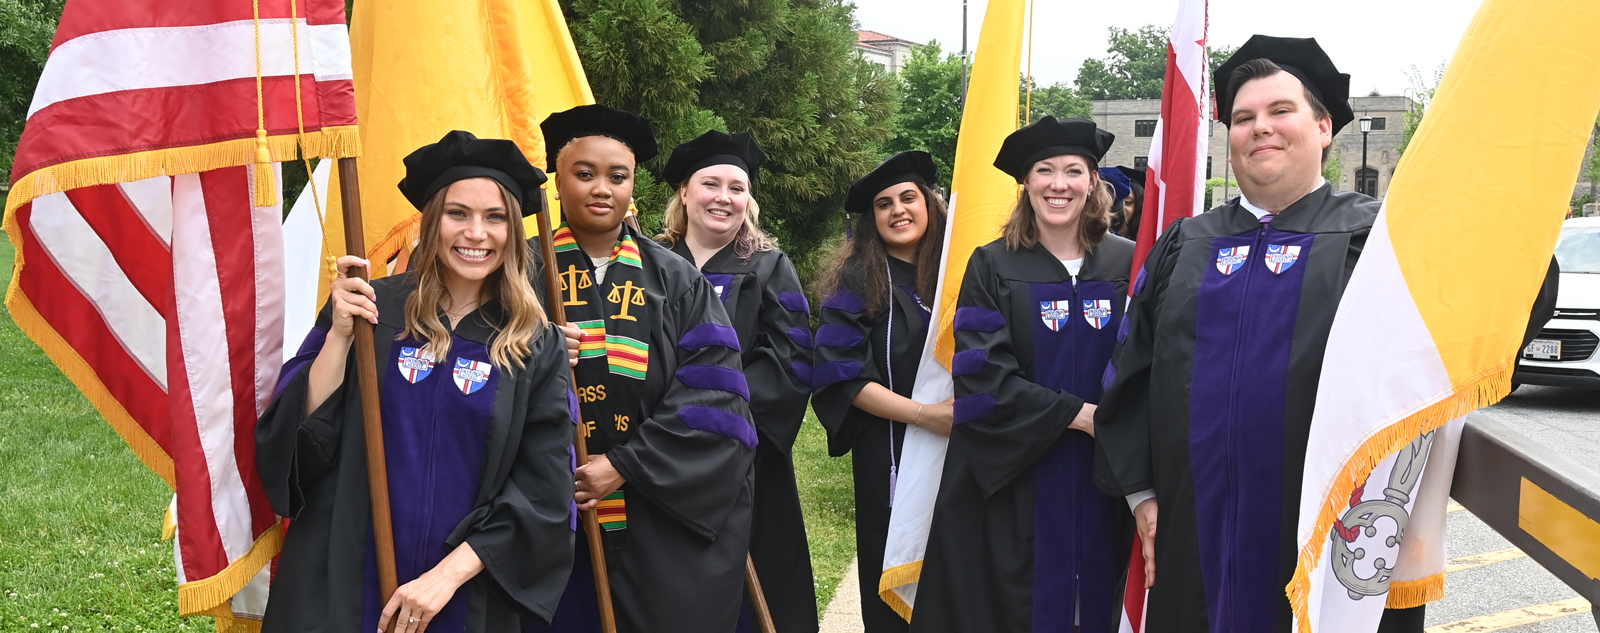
(758, 599)
(580, 442)
(367, 375)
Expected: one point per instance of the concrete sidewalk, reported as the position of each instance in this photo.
(844, 613)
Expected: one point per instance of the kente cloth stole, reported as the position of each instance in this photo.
(613, 354)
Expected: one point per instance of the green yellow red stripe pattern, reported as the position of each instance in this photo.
(564, 241)
(593, 342)
(613, 512)
(626, 251)
(627, 356)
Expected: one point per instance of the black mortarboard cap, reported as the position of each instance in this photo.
(460, 155)
(913, 166)
(1135, 175)
(714, 148)
(1048, 137)
(1298, 56)
(597, 120)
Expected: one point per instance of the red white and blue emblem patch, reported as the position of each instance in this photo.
(414, 364)
(1097, 312)
(1055, 314)
(1281, 256)
(471, 374)
(1232, 259)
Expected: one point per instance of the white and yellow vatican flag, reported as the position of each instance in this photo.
(1429, 327)
(980, 201)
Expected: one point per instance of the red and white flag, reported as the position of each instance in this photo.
(1174, 187)
(1175, 181)
(143, 267)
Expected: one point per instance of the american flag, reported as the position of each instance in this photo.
(145, 270)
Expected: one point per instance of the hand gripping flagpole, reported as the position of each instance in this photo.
(367, 376)
(580, 443)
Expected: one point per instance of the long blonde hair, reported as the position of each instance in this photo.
(749, 241)
(521, 318)
(1022, 228)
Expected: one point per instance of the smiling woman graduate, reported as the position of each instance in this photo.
(1021, 538)
(663, 399)
(477, 423)
(712, 222)
(874, 323)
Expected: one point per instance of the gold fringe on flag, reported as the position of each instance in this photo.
(1476, 393)
(1407, 594)
(201, 596)
(332, 142)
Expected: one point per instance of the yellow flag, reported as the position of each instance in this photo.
(425, 67)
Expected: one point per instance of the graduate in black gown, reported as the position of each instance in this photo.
(712, 222)
(1211, 404)
(874, 323)
(1133, 205)
(663, 398)
(1121, 198)
(478, 422)
(1021, 540)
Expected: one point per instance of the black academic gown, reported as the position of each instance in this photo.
(763, 297)
(1022, 541)
(854, 348)
(663, 396)
(476, 454)
(1212, 398)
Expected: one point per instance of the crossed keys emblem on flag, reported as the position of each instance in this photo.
(1364, 517)
(626, 295)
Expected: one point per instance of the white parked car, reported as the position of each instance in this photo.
(1563, 353)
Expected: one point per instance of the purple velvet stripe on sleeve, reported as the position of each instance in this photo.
(714, 377)
(846, 301)
(1108, 377)
(968, 362)
(802, 371)
(974, 407)
(1138, 284)
(1122, 329)
(572, 453)
(800, 336)
(308, 352)
(832, 335)
(707, 334)
(976, 319)
(720, 422)
(834, 371)
(794, 302)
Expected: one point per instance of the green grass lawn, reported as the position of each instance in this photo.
(80, 516)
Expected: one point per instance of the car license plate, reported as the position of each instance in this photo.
(1543, 349)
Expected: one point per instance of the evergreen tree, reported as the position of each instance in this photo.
(26, 28)
(930, 108)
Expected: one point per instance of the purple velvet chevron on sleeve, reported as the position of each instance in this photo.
(974, 407)
(833, 335)
(715, 377)
(794, 302)
(1110, 375)
(968, 362)
(707, 334)
(976, 319)
(308, 353)
(846, 301)
(834, 371)
(721, 422)
(572, 454)
(802, 371)
(1138, 284)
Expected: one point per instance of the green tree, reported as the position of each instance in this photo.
(1591, 168)
(1211, 185)
(929, 117)
(1333, 170)
(1422, 92)
(1058, 100)
(1134, 68)
(26, 28)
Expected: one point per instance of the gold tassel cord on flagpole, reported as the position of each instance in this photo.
(300, 126)
(266, 192)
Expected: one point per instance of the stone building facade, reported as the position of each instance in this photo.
(884, 50)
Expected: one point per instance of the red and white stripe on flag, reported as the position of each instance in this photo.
(1174, 183)
(1175, 179)
(142, 268)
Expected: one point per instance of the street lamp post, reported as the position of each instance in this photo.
(1366, 127)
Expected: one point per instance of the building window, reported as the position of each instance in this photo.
(1379, 124)
(1208, 168)
(1367, 181)
(1141, 162)
(1144, 128)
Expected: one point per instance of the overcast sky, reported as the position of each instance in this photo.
(1376, 41)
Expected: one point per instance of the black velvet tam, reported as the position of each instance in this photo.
(459, 156)
(913, 166)
(635, 131)
(1298, 56)
(1048, 137)
(715, 148)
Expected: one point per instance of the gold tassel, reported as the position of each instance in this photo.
(266, 191)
